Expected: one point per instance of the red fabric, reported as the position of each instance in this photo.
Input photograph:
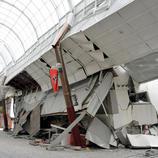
(72, 142)
(54, 79)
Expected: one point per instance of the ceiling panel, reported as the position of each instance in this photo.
(148, 32)
(142, 21)
(134, 37)
(134, 9)
(105, 26)
(125, 37)
(153, 43)
(144, 69)
(149, 3)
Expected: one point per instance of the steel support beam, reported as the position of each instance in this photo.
(65, 86)
(67, 95)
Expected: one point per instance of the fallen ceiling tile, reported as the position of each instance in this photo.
(99, 133)
(143, 141)
(100, 94)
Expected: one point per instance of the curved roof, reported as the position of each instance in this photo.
(22, 22)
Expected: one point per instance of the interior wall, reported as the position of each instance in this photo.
(152, 89)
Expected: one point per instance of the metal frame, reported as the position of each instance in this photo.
(3, 1)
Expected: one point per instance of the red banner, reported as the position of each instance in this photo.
(54, 79)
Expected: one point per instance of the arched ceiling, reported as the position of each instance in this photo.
(22, 22)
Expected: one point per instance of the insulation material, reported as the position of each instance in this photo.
(99, 133)
(143, 141)
(144, 113)
(100, 94)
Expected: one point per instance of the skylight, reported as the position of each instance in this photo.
(22, 22)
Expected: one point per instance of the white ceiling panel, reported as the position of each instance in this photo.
(153, 43)
(144, 69)
(149, 32)
(105, 26)
(97, 55)
(125, 37)
(154, 11)
(72, 67)
(120, 45)
(92, 67)
(67, 58)
(139, 50)
(142, 21)
(80, 75)
(149, 3)
(85, 59)
(79, 38)
(134, 9)
(134, 37)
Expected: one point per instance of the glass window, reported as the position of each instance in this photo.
(22, 22)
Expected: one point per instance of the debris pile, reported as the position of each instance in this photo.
(109, 114)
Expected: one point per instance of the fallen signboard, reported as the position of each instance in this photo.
(143, 141)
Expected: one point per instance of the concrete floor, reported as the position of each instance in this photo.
(20, 148)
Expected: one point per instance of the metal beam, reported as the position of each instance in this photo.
(65, 85)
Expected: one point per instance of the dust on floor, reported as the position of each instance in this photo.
(17, 148)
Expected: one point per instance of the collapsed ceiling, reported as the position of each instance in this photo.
(119, 39)
(23, 81)
(144, 69)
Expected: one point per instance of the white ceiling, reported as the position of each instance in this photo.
(127, 35)
(144, 69)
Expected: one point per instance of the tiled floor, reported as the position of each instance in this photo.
(20, 148)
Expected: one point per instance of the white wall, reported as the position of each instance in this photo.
(152, 89)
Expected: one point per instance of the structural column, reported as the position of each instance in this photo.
(67, 95)
(5, 116)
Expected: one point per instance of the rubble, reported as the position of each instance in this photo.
(39, 142)
(122, 136)
(100, 94)
(143, 141)
(67, 130)
(106, 117)
(99, 133)
(148, 113)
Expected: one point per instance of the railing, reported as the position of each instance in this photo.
(81, 11)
